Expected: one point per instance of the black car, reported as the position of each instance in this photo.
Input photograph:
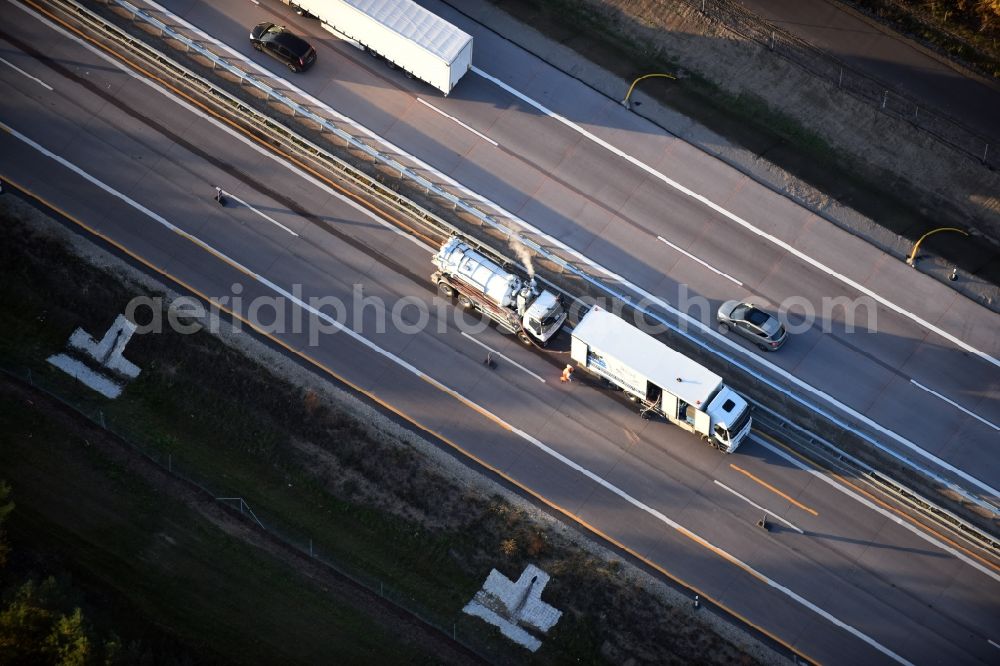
(280, 42)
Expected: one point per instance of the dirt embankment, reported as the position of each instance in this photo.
(377, 500)
(865, 170)
(940, 176)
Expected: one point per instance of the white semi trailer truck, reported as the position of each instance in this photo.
(661, 379)
(511, 301)
(408, 36)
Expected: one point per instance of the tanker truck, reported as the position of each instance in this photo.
(513, 302)
(661, 380)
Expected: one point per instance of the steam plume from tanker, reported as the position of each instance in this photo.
(523, 254)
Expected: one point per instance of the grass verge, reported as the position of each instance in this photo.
(154, 556)
(313, 468)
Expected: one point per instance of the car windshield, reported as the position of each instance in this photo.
(550, 318)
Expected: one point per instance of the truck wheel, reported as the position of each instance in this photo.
(523, 337)
(257, 46)
(464, 301)
(445, 290)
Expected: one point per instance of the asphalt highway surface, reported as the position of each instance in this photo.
(919, 370)
(842, 576)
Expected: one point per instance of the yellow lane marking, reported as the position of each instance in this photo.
(774, 490)
(443, 438)
(888, 507)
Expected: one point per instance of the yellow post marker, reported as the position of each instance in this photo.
(644, 76)
(912, 259)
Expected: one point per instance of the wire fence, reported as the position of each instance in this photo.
(864, 87)
(463, 631)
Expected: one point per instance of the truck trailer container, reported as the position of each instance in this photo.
(408, 36)
(662, 380)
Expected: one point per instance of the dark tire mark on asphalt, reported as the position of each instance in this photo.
(220, 164)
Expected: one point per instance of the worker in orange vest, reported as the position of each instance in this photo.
(567, 374)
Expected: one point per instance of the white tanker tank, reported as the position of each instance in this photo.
(515, 303)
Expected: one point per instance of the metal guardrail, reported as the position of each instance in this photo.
(769, 420)
(644, 305)
(864, 87)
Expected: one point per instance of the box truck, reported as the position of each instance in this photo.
(402, 32)
(663, 381)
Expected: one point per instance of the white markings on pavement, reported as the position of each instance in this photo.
(461, 398)
(732, 345)
(738, 220)
(871, 505)
(993, 644)
(691, 256)
(758, 506)
(506, 358)
(273, 221)
(21, 71)
(955, 404)
(451, 117)
(231, 132)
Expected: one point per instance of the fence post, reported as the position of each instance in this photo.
(170, 463)
(885, 98)
(985, 150)
(30, 380)
(840, 80)
(100, 413)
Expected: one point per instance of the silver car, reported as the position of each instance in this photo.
(755, 325)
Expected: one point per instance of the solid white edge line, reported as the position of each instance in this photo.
(723, 340)
(735, 218)
(506, 358)
(758, 506)
(955, 404)
(21, 71)
(741, 351)
(993, 644)
(703, 263)
(239, 137)
(458, 396)
(266, 217)
(871, 505)
(451, 117)
(732, 345)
